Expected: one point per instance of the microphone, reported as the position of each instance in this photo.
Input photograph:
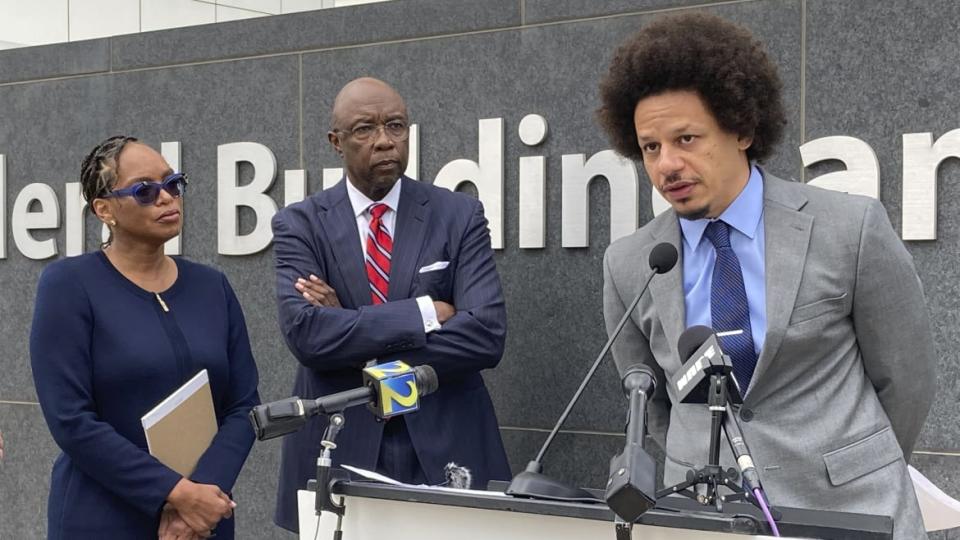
(531, 482)
(699, 344)
(702, 357)
(458, 476)
(389, 389)
(632, 484)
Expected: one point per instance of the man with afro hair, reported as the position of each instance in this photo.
(817, 300)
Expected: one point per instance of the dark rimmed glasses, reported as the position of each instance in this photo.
(146, 193)
(396, 130)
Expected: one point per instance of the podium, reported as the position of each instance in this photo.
(377, 511)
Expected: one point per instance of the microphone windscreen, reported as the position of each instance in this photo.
(457, 476)
(691, 339)
(427, 382)
(662, 257)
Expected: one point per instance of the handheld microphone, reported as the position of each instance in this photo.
(530, 482)
(389, 389)
(632, 484)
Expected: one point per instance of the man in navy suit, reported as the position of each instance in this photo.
(381, 267)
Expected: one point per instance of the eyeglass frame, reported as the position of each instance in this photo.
(377, 128)
(155, 187)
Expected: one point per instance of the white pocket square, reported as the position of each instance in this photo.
(439, 265)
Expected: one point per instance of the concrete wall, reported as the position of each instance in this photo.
(870, 70)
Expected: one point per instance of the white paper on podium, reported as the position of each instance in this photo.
(940, 511)
(377, 477)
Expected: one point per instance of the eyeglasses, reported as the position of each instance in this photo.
(396, 130)
(146, 193)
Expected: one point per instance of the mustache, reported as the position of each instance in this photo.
(673, 178)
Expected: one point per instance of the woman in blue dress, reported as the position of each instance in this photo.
(114, 333)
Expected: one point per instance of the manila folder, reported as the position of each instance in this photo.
(179, 430)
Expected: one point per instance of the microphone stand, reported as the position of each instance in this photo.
(532, 482)
(712, 475)
(324, 461)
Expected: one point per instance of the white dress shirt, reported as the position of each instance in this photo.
(361, 203)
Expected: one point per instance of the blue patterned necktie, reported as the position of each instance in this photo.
(728, 305)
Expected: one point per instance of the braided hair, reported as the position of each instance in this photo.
(98, 171)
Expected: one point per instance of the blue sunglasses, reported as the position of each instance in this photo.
(146, 193)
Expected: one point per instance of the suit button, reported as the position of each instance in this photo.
(746, 414)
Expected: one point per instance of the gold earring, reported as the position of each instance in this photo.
(112, 223)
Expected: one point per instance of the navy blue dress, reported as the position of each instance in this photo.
(104, 352)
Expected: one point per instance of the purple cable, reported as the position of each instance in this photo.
(766, 511)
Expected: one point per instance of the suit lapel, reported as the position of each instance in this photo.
(787, 237)
(667, 289)
(409, 234)
(338, 218)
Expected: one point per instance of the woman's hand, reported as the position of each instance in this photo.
(173, 527)
(201, 506)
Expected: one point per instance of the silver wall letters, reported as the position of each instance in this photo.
(230, 196)
(486, 174)
(24, 220)
(921, 159)
(36, 206)
(575, 196)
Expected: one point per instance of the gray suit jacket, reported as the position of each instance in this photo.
(846, 375)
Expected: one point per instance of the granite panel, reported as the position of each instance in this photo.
(29, 452)
(370, 23)
(952, 534)
(553, 294)
(57, 60)
(577, 460)
(876, 71)
(256, 493)
(540, 11)
(46, 129)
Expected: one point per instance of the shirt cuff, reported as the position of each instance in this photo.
(428, 313)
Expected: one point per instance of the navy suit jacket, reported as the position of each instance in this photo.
(456, 423)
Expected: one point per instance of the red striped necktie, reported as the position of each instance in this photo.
(379, 247)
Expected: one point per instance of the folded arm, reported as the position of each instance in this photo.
(473, 338)
(329, 338)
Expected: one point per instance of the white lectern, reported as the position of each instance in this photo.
(378, 511)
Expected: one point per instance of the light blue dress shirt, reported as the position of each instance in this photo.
(745, 218)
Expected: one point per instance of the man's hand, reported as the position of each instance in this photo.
(317, 292)
(201, 506)
(173, 527)
(444, 311)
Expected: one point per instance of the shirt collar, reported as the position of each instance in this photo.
(361, 202)
(743, 214)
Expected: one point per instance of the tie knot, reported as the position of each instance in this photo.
(718, 232)
(377, 210)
